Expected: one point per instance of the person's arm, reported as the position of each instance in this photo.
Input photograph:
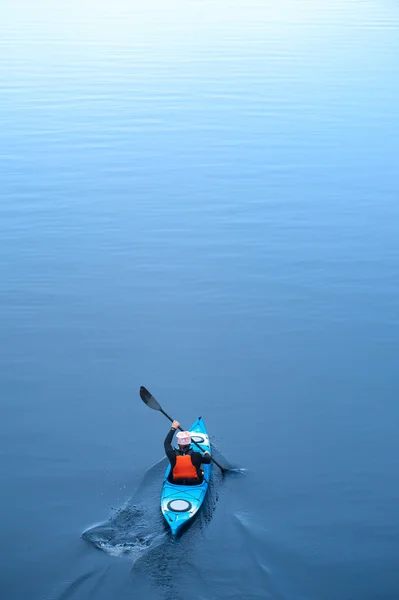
(198, 458)
(206, 458)
(169, 451)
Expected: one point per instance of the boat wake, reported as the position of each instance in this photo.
(137, 527)
(127, 533)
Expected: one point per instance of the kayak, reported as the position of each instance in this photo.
(179, 503)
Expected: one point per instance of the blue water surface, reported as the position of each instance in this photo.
(202, 198)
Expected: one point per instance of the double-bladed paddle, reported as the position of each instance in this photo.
(150, 401)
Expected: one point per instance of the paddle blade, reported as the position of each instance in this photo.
(149, 399)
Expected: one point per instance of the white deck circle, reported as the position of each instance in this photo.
(179, 505)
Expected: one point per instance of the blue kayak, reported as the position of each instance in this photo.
(179, 503)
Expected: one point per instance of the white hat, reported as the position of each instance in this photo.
(183, 438)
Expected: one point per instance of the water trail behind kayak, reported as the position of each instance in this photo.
(137, 527)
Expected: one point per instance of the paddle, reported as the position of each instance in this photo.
(150, 401)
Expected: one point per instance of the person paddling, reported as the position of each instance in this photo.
(185, 463)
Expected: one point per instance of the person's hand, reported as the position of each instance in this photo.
(175, 425)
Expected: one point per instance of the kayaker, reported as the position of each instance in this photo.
(185, 463)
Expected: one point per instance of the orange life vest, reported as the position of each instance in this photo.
(184, 468)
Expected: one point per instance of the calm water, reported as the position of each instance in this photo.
(200, 197)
